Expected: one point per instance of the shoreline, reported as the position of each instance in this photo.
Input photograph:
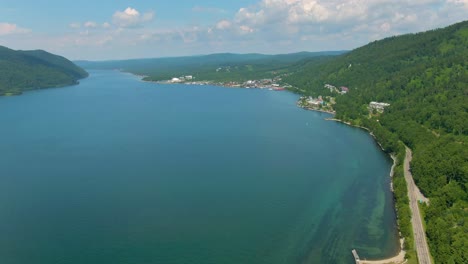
(392, 171)
(400, 257)
(361, 127)
(212, 83)
(221, 85)
(397, 259)
(318, 110)
(392, 156)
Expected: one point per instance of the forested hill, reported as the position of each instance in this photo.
(28, 70)
(424, 78)
(427, 68)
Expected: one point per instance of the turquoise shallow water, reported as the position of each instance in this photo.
(116, 170)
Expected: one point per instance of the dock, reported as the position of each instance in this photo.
(356, 256)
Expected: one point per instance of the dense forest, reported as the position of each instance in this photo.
(424, 78)
(223, 67)
(28, 70)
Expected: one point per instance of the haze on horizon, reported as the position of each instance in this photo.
(109, 29)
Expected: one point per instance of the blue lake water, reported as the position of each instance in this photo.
(116, 170)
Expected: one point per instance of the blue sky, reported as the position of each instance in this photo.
(118, 29)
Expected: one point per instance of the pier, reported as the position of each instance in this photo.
(356, 256)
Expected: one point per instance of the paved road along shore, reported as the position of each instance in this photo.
(419, 235)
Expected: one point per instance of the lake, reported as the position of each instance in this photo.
(116, 170)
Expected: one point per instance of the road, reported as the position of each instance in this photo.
(418, 229)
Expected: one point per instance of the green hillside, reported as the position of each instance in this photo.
(215, 67)
(424, 78)
(27, 70)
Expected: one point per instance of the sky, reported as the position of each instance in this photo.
(123, 29)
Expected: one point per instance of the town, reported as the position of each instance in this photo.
(321, 103)
(325, 104)
(270, 84)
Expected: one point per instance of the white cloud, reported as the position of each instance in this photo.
(253, 17)
(190, 35)
(75, 25)
(276, 26)
(269, 26)
(385, 27)
(246, 29)
(463, 3)
(10, 29)
(210, 10)
(131, 17)
(223, 24)
(90, 24)
(371, 18)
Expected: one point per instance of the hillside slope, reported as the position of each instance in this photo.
(28, 70)
(424, 78)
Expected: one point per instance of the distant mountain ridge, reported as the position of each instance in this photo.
(35, 69)
(216, 58)
(203, 67)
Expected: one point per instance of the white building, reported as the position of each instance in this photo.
(313, 101)
(330, 87)
(378, 106)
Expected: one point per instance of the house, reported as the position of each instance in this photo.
(313, 101)
(378, 106)
(344, 89)
(330, 87)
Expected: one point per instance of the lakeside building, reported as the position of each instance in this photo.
(315, 102)
(330, 87)
(378, 106)
(181, 79)
(333, 89)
